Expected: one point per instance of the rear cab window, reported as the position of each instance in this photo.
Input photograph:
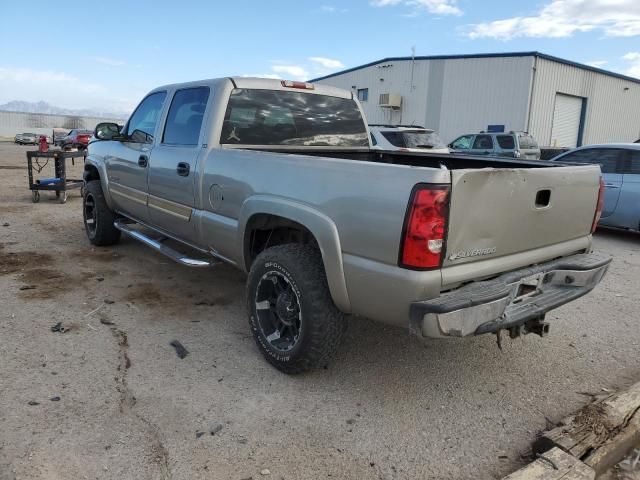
(184, 120)
(276, 117)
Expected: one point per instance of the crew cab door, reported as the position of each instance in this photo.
(174, 163)
(128, 160)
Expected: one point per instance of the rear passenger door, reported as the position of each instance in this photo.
(506, 144)
(482, 145)
(174, 163)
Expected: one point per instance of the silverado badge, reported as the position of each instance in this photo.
(472, 252)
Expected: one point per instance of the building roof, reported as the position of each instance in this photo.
(485, 55)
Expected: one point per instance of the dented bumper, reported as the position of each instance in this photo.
(511, 299)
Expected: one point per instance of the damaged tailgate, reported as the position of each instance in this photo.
(497, 212)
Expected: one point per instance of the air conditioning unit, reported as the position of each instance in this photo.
(390, 100)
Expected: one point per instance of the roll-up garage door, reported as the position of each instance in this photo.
(566, 121)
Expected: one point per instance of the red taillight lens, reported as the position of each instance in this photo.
(425, 227)
(599, 205)
(292, 84)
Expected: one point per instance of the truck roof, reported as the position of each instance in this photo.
(260, 83)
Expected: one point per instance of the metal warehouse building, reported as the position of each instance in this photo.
(561, 103)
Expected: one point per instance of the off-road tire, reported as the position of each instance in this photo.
(103, 233)
(322, 324)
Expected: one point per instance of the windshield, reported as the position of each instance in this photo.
(414, 139)
(273, 117)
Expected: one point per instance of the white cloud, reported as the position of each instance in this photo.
(274, 76)
(563, 18)
(332, 9)
(438, 7)
(327, 62)
(295, 72)
(58, 88)
(112, 62)
(634, 64)
(597, 63)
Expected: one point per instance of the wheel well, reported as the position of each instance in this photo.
(265, 230)
(90, 173)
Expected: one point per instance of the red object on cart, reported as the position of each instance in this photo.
(44, 145)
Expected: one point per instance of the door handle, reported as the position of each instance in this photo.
(143, 161)
(611, 185)
(183, 169)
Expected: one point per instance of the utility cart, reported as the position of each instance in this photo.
(37, 160)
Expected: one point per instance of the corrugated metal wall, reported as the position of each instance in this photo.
(12, 123)
(613, 104)
(453, 96)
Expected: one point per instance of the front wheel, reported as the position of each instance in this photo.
(293, 319)
(98, 218)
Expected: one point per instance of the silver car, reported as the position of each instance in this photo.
(620, 164)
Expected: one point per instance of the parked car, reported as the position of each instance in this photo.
(620, 164)
(509, 144)
(26, 139)
(407, 138)
(76, 139)
(278, 179)
(59, 135)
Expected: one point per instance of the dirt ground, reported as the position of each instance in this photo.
(110, 399)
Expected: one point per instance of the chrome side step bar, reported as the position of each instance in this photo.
(158, 246)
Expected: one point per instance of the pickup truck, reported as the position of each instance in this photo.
(278, 178)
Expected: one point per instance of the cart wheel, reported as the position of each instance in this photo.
(35, 196)
(62, 198)
(57, 194)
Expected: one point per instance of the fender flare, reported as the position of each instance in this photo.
(321, 227)
(104, 179)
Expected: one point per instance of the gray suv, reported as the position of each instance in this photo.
(511, 144)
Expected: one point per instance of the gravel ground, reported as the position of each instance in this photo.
(389, 406)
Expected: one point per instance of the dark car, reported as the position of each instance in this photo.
(76, 139)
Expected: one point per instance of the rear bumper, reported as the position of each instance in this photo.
(511, 299)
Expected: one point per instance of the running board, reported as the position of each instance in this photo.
(158, 246)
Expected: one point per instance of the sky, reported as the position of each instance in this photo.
(114, 52)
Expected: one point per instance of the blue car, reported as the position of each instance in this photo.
(620, 164)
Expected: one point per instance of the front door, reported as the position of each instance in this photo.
(128, 160)
(174, 162)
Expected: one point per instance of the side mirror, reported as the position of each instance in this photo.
(450, 145)
(107, 131)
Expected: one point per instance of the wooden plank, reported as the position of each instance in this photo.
(593, 434)
(555, 464)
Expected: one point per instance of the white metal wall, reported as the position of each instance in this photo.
(453, 96)
(613, 104)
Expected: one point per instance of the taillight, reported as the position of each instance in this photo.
(425, 227)
(292, 84)
(599, 205)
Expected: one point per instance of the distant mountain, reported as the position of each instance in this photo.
(44, 107)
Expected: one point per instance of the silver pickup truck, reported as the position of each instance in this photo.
(278, 179)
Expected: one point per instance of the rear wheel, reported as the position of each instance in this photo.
(292, 316)
(98, 218)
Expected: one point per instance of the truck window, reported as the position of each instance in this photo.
(462, 143)
(185, 116)
(274, 117)
(483, 142)
(607, 158)
(506, 142)
(633, 164)
(142, 123)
